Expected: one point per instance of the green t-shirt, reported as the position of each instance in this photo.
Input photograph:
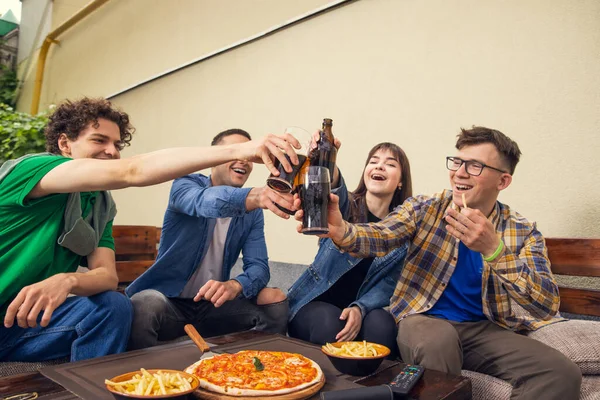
(29, 229)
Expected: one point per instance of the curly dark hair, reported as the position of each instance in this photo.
(71, 117)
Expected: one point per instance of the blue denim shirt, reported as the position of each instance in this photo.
(330, 264)
(193, 202)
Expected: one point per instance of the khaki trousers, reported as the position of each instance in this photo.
(535, 370)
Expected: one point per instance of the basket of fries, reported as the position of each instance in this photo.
(153, 384)
(355, 358)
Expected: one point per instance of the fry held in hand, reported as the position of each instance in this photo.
(151, 384)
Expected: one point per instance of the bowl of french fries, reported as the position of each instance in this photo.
(355, 358)
(152, 384)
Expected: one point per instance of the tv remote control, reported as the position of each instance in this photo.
(406, 379)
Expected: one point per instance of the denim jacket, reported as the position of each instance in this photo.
(193, 205)
(330, 264)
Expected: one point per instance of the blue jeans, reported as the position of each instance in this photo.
(82, 328)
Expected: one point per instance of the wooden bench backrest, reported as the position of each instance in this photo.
(576, 257)
(135, 249)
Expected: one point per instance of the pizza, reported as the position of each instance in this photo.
(256, 373)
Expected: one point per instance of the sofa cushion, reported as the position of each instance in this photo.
(486, 387)
(578, 340)
(590, 388)
(14, 367)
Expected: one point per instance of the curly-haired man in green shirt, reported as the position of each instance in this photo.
(56, 213)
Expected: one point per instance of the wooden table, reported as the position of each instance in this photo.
(433, 384)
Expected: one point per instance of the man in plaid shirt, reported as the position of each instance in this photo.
(476, 274)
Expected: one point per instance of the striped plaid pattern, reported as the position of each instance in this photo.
(521, 273)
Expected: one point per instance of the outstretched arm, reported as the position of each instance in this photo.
(374, 239)
(83, 175)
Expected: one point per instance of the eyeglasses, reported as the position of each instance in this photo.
(473, 168)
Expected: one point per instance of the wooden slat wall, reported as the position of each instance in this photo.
(580, 301)
(576, 257)
(127, 271)
(135, 249)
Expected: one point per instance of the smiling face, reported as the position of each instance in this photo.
(382, 174)
(481, 192)
(234, 173)
(102, 142)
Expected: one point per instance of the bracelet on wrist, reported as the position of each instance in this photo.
(496, 253)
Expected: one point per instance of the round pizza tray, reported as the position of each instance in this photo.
(299, 395)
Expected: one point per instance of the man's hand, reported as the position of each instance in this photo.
(472, 228)
(266, 198)
(335, 221)
(264, 149)
(46, 295)
(353, 318)
(219, 292)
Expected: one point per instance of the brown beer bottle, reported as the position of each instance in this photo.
(325, 153)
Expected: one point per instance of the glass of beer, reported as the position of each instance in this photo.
(286, 181)
(315, 187)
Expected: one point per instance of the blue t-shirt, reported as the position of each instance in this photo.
(461, 301)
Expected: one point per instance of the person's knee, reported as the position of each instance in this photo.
(566, 371)
(441, 342)
(379, 326)
(326, 324)
(379, 319)
(273, 317)
(318, 322)
(278, 310)
(148, 303)
(422, 338)
(270, 296)
(116, 304)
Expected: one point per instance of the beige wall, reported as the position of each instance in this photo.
(411, 72)
(127, 41)
(32, 12)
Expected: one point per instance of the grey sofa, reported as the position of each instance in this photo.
(578, 339)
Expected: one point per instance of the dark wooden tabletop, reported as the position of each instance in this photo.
(433, 385)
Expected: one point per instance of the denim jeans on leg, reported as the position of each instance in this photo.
(82, 328)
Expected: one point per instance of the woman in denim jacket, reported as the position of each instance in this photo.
(340, 297)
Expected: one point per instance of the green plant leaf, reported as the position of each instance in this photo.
(20, 133)
(257, 364)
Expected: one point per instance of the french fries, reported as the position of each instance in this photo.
(154, 384)
(353, 349)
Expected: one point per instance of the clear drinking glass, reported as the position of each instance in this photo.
(315, 187)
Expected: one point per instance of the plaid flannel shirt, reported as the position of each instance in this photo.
(518, 289)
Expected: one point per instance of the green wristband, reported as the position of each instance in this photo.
(496, 253)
